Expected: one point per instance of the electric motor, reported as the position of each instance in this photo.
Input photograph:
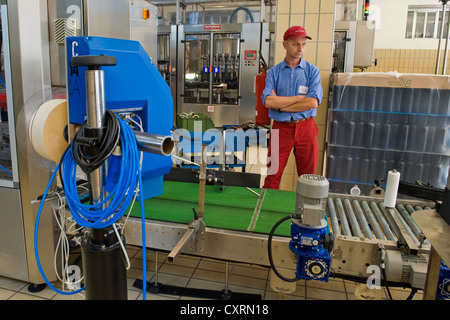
(312, 192)
(309, 229)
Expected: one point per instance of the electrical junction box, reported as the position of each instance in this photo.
(364, 43)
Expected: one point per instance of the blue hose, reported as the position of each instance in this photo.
(121, 195)
(119, 199)
(36, 230)
(4, 169)
(249, 13)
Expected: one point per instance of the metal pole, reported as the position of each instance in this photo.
(95, 109)
(438, 58)
(444, 64)
(103, 263)
(156, 267)
(211, 64)
(226, 277)
(177, 13)
(262, 11)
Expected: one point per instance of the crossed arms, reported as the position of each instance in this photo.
(296, 103)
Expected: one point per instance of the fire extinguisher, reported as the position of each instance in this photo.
(261, 112)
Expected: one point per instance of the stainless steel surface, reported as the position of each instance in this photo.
(352, 255)
(8, 127)
(353, 222)
(13, 263)
(121, 19)
(251, 33)
(95, 97)
(27, 25)
(95, 110)
(167, 59)
(268, 37)
(180, 245)
(364, 43)
(106, 18)
(143, 30)
(370, 219)
(221, 244)
(362, 224)
(227, 96)
(154, 143)
(403, 232)
(362, 219)
(103, 18)
(62, 9)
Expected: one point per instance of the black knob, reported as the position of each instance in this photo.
(93, 62)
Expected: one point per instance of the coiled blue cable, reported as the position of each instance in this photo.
(110, 209)
(118, 199)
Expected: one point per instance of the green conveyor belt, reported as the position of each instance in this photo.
(234, 208)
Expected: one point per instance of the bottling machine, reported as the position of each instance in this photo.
(214, 67)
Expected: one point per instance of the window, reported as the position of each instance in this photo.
(425, 22)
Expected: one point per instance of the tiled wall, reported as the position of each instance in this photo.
(317, 17)
(408, 61)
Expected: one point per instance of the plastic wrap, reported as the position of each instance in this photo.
(384, 121)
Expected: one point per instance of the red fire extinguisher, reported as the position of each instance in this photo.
(261, 112)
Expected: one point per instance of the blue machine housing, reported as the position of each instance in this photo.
(133, 85)
(443, 288)
(313, 259)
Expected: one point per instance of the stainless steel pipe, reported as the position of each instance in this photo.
(95, 108)
(154, 143)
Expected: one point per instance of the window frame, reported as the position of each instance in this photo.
(411, 27)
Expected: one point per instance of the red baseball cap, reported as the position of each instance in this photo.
(295, 32)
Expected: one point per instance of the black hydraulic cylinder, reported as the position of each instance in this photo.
(104, 268)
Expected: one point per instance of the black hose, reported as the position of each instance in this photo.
(107, 143)
(269, 251)
(386, 283)
(412, 294)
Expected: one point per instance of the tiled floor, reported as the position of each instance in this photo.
(205, 273)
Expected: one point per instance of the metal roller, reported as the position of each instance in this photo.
(353, 222)
(402, 221)
(373, 222)
(362, 219)
(382, 221)
(406, 211)
(343, 218)
(333, 217)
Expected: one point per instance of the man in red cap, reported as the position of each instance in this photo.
(293, 93)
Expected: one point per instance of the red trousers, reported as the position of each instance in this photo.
(300, 136)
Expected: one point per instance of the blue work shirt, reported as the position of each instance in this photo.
(304, 79)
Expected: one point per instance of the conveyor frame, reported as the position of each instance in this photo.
(351, 255)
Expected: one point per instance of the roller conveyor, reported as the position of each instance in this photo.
(360, 217)
(238, 209)
(238, 223)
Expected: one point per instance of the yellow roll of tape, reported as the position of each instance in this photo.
(46, 131)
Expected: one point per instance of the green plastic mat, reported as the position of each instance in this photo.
(276, 205)
(233, 208)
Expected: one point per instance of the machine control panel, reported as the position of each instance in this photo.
(250, 58)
